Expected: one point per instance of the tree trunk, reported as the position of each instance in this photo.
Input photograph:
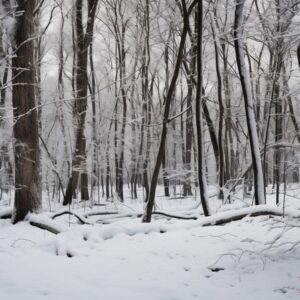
(84, 40)
(154, 179)
(200, 144)
(25, 128)
(221, 109)
(259, 188)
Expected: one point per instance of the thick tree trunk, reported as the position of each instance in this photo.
(25, 127)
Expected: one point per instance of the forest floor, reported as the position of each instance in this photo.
(119, 258)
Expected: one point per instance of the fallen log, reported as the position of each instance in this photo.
(81, 219)
(222, 218)
(227, 217)
(115, 217)
(6, 213)
(44, 227)
(100, 213)
(174, 216)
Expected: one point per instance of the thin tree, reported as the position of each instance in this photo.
(259, 189)
(84, 39)
(169, 97)
(201, 159)
(221, 107)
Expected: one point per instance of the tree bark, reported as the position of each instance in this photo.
(259, 189)
(221, 170)
(25, 115)
(200, 144)
(84, 40)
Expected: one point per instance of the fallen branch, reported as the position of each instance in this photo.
(81, 219)
(46, 223)
(174, 216)
(118, 216)
(54, 227)
(44, 227)
(6, 213)
(240, 214)
(100, 213)
(217, 219)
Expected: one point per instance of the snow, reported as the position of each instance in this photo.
(46, 222)
(254, 258)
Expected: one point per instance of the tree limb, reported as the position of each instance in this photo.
(81, 219)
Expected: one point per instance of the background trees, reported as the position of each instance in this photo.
(114, 95)
(84, 39)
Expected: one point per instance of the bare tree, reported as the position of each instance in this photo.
(259, 188)
(201, 159)
(169, 97)
(84, 39)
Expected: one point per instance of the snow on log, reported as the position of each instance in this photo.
(222, 218)
(6, 213)
(100, 213)
(218, 219)
(229, 216)
(174, 216)
(46, 224)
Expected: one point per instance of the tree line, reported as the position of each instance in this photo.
(97, 95)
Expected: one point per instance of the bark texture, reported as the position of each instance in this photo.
(25, 115)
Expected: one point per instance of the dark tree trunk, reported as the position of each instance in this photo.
(25, 128)
(154, 179)
(221, 170)
(165, 176)
(146, 96)
(187, 188)
(107, 175)
(201, 160)
(84, 40)
(166, 181)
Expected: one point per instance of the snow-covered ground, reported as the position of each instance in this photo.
(254, 258)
